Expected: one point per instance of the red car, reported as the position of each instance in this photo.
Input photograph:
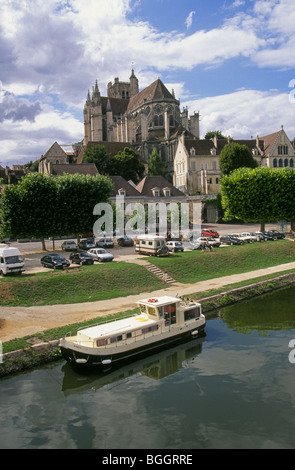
(209, 232)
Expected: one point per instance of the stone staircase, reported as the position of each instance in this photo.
(159, 273)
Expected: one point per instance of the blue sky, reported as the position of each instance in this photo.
(232, 60)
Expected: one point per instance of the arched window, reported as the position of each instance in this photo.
(280, 163)
(171, 120)
(286, 162)
(161, 120)
(275, 163)
(291, 163)
(156, 120)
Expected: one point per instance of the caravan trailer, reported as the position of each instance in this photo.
(152, 245)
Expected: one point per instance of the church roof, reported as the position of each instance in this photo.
(118, 105)
(155, 91)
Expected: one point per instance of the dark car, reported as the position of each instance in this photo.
(277, 234)
(268, 236)
(81, 257)
(227, 240)
(125, 241)
(54, 261)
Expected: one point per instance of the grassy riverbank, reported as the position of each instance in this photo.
(119, 279)
(196, 266)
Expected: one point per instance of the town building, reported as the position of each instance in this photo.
(144, 120)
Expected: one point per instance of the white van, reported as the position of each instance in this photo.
(151, 245)
(11, 260)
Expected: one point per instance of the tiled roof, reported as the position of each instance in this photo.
(82, 169)
(112, 148)
(269, 141)
(120, 183)
(146, 185)
(155, 91)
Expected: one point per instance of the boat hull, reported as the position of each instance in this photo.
(100, 358)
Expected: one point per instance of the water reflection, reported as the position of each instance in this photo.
(270, 312)
(155, 367)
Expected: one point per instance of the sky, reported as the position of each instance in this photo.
(231, 60)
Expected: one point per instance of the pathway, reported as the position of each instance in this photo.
(17, 322)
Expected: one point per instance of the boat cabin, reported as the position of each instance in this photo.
(157, 315)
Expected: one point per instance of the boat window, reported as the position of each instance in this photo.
(192, 313)
(102, 342)
(142, 308)
(152, 311)
(149, 329)
(128, 335)
(169, 313)
(114, 339)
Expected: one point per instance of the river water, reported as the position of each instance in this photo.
(235, 388)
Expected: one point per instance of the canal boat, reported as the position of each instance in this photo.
(161, 322)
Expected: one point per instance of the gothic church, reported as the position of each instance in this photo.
(143, 120)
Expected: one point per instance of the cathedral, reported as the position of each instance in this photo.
(144, 120)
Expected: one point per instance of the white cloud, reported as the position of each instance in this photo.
(189, 19)
(246, 113)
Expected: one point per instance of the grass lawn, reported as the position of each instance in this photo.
(97, 282)
(195, 266)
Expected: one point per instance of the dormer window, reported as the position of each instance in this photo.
(193, 152)
(213, 151)
(122, 192)
(156, 192)
(167, 192)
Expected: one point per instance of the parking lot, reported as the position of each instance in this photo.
(32, 251)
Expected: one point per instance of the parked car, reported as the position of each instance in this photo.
(208, 241)
(209, 232)
(69, 245)
(101, 255)
(259, 236)
(228, 240)
(251, 238)
(191, 245)
(240, 236)
(54, 261)
(268, 236)
(125, 241)
(86, 244)
(277, 234)
(175, 245)
(105, 243)
(81, 257)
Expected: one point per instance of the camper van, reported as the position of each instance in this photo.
(11, 260)
(153, 245)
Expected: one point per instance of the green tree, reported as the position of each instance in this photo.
(155, 164)
(259, 195)
(126, 164)
(96, 154)
(78, 195)
(30, 208)
(211, 134)
(234, 156)
(43, 206)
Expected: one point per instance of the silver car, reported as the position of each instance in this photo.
(100, 254)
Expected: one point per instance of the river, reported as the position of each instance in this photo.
(232, 389)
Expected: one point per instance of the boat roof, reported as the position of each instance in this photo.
(117, 327)
(159, 301)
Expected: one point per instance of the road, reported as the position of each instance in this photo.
(32, 251)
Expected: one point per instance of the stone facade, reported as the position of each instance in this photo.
(196, 162)
(144, 120)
